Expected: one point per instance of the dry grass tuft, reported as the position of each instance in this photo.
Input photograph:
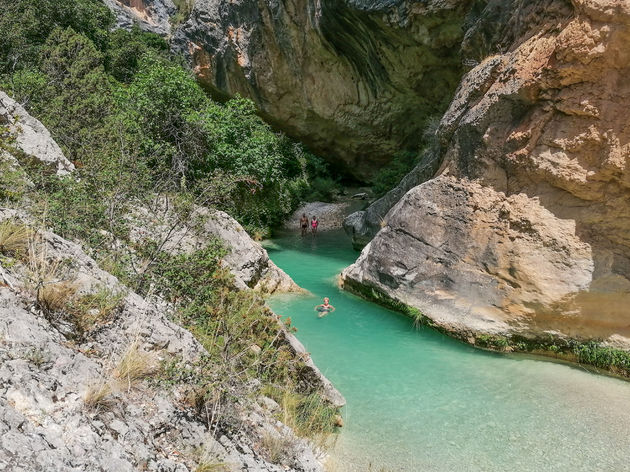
(14, 238)
(212, 467)
(135, 365)
(53, 291)
(56, 297)
(277, 448)
(98, 396)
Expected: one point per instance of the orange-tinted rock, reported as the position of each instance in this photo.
(526, 228)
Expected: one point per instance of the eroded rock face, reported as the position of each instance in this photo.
(151, 15)
(526, 227)
(355, 80)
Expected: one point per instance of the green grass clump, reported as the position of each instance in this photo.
(184, 9)
(492, 341)
(308, 415)
(604, 357)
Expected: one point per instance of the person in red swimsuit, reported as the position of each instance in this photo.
(314, 224)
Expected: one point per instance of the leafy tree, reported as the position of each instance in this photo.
(26, 25)
(125, 50)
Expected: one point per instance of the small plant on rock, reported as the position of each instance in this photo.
(93, 308)
(277, 447)
(98, 396)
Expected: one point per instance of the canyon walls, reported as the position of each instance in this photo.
(516, 219)
(525, 227)
(354, 80)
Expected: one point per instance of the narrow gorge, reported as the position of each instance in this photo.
(514, 221)
(156, 157)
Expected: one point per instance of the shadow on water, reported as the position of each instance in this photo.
(419, 400)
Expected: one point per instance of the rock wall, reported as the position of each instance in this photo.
(354, 80)
(525, 227)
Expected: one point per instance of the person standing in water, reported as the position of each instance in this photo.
(325, 308)
(304, 224)
(314, 224)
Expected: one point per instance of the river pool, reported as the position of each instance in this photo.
(420, 401)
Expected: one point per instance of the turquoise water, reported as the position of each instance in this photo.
(419, 401)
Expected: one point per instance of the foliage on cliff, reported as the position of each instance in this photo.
(132, 118)
(138, 128)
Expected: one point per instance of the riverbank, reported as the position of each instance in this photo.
(443, 405)
(591, 354)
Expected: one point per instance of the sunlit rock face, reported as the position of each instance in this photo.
(151, 15)
(355, 80)
(526, 227)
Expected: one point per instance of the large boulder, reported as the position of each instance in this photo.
(247, 259)
(525, 229)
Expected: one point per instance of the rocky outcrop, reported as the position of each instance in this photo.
(329, 215)
(525, 228)
(151, 15)
(50, 380)
(30, 138)
(354, 80)
(247, 259)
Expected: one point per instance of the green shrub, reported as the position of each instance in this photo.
(133, 119)
(595, 354)
(184, 8)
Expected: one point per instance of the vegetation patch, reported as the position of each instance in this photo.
(139, 128)
(184, 8)
(135, 365)
(244, 342)
(277, 448)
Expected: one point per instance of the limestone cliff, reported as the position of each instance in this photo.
(525, 227)
(354, 80)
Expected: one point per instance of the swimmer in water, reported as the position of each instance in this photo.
(325, 308)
